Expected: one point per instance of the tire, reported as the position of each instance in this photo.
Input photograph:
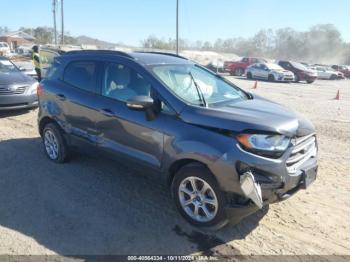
(239, 72)
(271, 78)
(310, 81)
(333, 77)
(209, 215)
(55, 146)
(297, 79)
(249, 75)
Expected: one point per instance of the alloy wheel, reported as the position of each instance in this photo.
(51, 144)
(198, 199)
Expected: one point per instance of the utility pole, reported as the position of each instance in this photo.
(177, 27)
(54, 20)
(62, 23)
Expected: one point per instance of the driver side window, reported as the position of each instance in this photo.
(121, 83)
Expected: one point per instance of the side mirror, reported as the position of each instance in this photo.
(143, 103)
(140, 102)
(21, 68)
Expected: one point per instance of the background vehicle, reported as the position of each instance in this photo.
(269, 71)
(17, 90)
(166, 115)
(343, 69)
(216, 67)
(327, 73)
(238, 68)
(4, 48)
(301, 72)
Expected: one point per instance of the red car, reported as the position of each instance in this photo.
(301, 72)
(344, 69)
(238, 67)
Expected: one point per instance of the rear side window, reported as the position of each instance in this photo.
(81, 75)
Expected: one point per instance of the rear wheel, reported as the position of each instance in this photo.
(198, 198)
(297, 79)
(333, 77)
(54, 143)
(249, 75)
(310, 81)
(239, 72)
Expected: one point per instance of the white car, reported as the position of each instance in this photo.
(269, 71)
(4, 48)
(327, 73)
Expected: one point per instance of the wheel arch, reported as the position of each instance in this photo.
(180, 163)
(43, 122)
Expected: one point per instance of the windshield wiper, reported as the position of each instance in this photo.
(199, 91)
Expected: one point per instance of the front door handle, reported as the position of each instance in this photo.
(61, 97)
(107, 112)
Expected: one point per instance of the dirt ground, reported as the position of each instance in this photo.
(95, 206)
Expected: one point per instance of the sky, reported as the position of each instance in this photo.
(131, 21)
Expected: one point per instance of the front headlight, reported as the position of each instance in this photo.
(264, 145)
(32, 89)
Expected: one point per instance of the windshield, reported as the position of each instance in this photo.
(194, 84)
(299, 66)
(7, 67)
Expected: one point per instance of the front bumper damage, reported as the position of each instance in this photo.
(257, 193)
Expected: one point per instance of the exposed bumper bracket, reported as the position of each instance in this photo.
(251, 189)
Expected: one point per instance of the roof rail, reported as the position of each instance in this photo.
(161, 53)
(101, 52)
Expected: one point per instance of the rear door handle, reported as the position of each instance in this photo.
(61, 97)
(107, 112)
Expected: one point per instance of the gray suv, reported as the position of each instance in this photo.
(223, 152)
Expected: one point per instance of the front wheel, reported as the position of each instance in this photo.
(198, 198)
(310, 81)
(271, 78)
(249, 75)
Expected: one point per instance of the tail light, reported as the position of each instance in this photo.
(39, 90)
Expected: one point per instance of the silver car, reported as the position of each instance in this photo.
(269, 71)
(17, 90)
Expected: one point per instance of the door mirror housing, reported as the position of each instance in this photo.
(140, 102)
(143, 103)
(21, 68)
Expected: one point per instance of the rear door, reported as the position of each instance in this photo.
(78, 97)
(121, 131)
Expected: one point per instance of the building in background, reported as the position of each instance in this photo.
(17, 38)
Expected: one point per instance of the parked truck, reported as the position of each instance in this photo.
(238, 67)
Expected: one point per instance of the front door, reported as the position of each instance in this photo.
(122, 131)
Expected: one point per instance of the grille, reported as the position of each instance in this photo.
(304, 149)
(5, 90)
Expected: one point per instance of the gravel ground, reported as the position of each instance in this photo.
(95, 206)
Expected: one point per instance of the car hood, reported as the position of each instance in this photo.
(15, 78)
(257, 114)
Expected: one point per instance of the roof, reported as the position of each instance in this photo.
(156, 58)
(144, 58)
(18, 34)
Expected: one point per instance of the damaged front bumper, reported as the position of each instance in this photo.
(257, 193)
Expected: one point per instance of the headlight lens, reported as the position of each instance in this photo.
(265, 145)
(33, 88)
